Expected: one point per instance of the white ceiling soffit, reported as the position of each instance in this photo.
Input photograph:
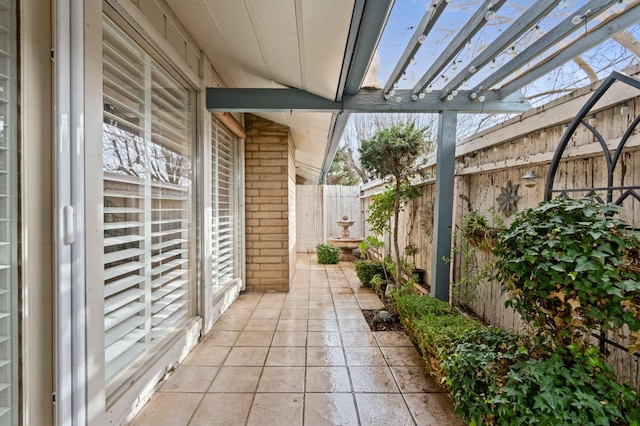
(277, 43)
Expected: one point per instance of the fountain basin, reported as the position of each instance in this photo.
(346, 246)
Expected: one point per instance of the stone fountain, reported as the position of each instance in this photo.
(346, 243)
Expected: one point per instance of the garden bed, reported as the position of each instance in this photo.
(393, 325)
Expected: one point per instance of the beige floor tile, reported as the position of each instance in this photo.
(276, 409)
(296, 304)
(296, 314)
(347, 305)
(353, 325)
(236, 379)
(223, 410)
(404, 356)
(373, 380)
(234, 312)
(262, 313)
(348, 313)
(168, 409)
(293, 356)
(261, 324)
(325, 356)
(231, 324)
(323, 338)
(415, 380)
(190, 378)
(327, 379)
(207, 355)
(290, 338)
(252, 356)
(221, 338)
(359, 338)
(323, 325)
(291, 325)
(340, 290)
(322, 314)
(254, 338)
(272, 298)
(315, 304)
(370, 304)
(433, 409)
(364, 356)
(282, 379)
(383, 409)
(246, 303)
(321, 409)
(392, 338)
(297, 295)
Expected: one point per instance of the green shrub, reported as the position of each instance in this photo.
(475, 367)
(562, 264)
(367, 269)
(327, 254)
(431, 323)
(498, 377)
(414, 306)
(566, 388)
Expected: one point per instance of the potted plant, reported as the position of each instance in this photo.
(411, 250)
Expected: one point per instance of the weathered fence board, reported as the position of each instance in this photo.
(318, 207)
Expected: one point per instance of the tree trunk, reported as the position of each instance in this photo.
(396, 221)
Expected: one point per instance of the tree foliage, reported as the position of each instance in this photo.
(344, 170)
(395, 154)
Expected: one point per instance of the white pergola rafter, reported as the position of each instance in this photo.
(538, 10)
(417, 39)
(602, 32)
(555, 35)
(475, 23)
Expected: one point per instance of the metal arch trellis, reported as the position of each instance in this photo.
(611, 161)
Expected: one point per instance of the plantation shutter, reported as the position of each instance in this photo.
(147, 201)
(8, 219)
(223, 160)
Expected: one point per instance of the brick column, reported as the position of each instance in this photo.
(267, 180)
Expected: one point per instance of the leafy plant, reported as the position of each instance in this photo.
(412, 251)
(371, 248)
(367, 269)
(475, 367)
(571, 386)
(432, 324)
(394, 153)
(497, 377)
(327, 254)
(562, 265)
(476, 233)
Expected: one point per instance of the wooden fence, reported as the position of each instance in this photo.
(318, 207)
(487, 162)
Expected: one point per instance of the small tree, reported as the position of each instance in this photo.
(394, 153)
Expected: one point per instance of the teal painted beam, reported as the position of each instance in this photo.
(443, 207)
(283, 100)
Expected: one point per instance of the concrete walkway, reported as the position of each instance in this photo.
(302, 358)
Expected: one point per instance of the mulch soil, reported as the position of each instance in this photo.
(394, 325)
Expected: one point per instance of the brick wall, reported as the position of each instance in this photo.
(267, 177)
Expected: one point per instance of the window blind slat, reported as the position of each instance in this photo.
(147, 173)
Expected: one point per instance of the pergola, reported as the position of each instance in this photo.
(477, 86)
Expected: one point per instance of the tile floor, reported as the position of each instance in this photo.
(302, 358)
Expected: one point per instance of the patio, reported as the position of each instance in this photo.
(304, 357)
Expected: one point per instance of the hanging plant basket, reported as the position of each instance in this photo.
(484, 239)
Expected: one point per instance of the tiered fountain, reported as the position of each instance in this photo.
(346, 243)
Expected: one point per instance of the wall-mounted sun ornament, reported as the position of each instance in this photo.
(508, 199)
